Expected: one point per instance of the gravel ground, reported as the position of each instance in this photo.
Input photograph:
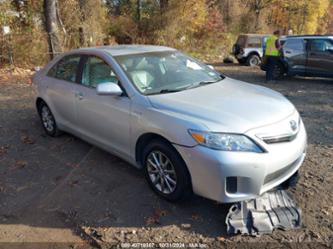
(66, 191)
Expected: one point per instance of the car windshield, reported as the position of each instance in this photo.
(163, 72)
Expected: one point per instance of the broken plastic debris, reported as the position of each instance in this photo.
(272, 210)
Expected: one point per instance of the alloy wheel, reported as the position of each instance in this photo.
(161, 172)
(47, 119)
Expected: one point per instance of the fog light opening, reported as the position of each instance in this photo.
(231, 184)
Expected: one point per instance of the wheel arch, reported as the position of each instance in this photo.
(39, 101)
(253, 53)
(143, 141)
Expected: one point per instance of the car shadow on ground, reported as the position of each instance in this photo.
(48, 182)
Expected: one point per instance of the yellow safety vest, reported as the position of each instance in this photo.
(271, 49)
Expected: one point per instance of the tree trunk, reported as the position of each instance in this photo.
(138, 10)
(163, 5)
(256, 22)
(50, 12)
(228, 14)
(82, 31)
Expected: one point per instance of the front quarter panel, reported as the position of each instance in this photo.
(172, 126)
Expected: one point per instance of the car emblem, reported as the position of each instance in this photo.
(293, 125)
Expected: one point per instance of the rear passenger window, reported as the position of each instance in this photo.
(254, 42)
(294, 44)
(320, 45)
(66, 68)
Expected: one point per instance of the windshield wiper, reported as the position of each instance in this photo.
(190, 86)
(201, 83)
(170, 90)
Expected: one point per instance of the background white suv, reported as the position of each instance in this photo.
(248, 49)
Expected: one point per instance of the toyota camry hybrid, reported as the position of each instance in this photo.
(191, 129)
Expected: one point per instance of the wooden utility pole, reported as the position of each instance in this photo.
(51, 24)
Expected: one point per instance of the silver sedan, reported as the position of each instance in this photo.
(188, 127)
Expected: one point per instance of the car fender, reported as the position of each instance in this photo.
(171, 126)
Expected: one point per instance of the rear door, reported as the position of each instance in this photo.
(295, 56)
(62, 78)
(320, 57)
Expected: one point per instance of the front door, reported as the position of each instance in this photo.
(295, 55)
(320, 57)
(102, 119)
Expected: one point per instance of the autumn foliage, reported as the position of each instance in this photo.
(204, 28)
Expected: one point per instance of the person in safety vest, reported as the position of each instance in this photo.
(272, 53)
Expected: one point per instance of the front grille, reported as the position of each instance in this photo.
(283, 171)
(279, 139)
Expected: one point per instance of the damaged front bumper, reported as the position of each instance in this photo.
(227, 176)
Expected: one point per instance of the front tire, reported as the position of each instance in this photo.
(166, 171)
(48, 121)
(279, 71)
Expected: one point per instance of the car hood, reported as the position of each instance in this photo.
(227, 106)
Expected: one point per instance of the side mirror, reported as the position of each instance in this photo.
(109, 89)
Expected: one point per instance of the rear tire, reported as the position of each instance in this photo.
(253, 60)
(166, 171)
(48, 121)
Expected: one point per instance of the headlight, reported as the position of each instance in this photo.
(225, 141)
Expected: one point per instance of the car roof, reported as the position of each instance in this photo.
(309, 36)
(118, 50)
(253, 35)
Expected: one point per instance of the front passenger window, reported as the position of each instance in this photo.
(294, 44)
(97, 71)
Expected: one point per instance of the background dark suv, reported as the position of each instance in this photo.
(305, 56)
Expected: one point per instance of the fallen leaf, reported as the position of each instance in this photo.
(19, 189)
(155, 218)
(4, 150)
(73, 183)
(221, 238)
(19, 164)
(151, 221)
(159, 212)
(196, 217)
(73, 165)
(186, 226)
(27, 140)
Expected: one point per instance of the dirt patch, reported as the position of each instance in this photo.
(64, 190)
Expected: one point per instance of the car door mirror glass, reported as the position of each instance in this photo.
(109, 88)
